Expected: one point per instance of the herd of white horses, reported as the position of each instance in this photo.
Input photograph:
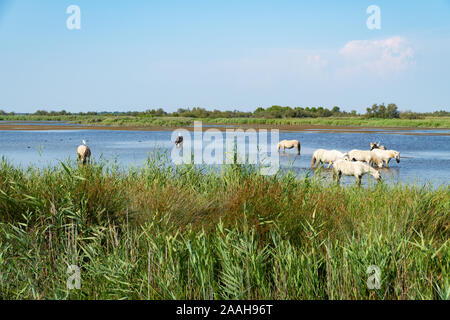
(353, 163)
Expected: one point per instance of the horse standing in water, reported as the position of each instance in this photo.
(289, 144)
(356, 169)
(83, 153)
(387, 155)
(326, 156)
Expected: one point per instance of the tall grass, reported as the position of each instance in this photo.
(189, 232)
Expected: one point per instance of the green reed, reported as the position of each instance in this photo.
(192, 232)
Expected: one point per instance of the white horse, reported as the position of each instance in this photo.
(326, 156)
(83, 153)
(289, 144)
(356, 169)
(369, 157)
(387, 155)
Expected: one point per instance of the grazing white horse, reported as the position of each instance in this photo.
(289, 144)
(369, 157)
(83, 153)
(356, 169)
(374, 145)
(326, 156)
(387, 155)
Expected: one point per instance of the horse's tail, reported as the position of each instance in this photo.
(313, 161)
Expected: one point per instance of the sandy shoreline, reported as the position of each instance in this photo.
(44, 126)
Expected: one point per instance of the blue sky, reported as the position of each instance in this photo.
(224, 54)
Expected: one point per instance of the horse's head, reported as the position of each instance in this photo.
(345, 157)
(373, 145)
(376, 175)
(397, 156)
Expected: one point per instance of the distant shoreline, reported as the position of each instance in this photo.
(10, 125)
(149, 122)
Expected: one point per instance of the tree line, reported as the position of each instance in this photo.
(378, 111)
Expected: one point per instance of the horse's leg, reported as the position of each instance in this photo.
(338, 180)
(329, 165)
(387, 163)
(335, 175)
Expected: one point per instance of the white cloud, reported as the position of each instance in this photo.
(379, 57)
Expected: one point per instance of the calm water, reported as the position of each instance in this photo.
(424, 159)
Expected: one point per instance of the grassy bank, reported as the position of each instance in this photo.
(162, 232)
(427, 122)
(430, 122)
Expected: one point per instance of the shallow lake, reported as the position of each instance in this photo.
(424, 158)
